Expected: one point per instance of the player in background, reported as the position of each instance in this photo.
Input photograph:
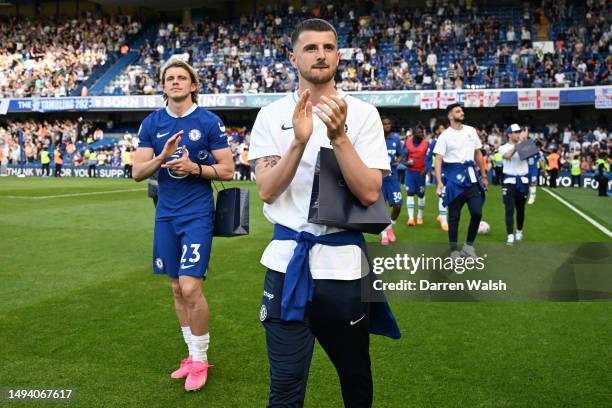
(171, 140)
(457, 155)
(391, 189)
(535, 163)
(416, 149)
(429, 163)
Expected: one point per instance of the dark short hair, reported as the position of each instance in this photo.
(312, 24)
(453, 106)
(419, 130)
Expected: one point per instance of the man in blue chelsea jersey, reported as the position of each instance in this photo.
(391, 189)
(179, 141)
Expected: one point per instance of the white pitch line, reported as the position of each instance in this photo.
(76, 194)
(580, 213)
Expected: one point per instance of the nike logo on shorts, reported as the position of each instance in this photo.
(354, 322)
(283, 127)
(187, 267)
(162, 134)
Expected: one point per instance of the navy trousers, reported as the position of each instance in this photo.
(338, 319)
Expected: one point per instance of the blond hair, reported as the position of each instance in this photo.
(178, 63)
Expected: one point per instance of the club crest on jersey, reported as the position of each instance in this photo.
(177, 155)
(263, 313)
(159, 263)
(221, 127)
(194, 135)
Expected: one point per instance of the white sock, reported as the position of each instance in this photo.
(410, 206)
(442, 211)
(421, 207)
(200, 347)
(392, 223)
(532, 191)
(187, 337)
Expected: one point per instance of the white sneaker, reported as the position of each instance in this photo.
(510, 240)
(468, 251)
(518, 236)
(455, 255)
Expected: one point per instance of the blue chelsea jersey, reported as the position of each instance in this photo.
(394, 149)
(429, 156)
(203, 132)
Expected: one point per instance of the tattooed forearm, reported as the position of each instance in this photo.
(269, 161)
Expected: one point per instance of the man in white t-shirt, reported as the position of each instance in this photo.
(457, 154)
(514, 183)
(321, 299)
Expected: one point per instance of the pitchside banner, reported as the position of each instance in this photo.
(587, 180)
(531, 271)
(67, 171)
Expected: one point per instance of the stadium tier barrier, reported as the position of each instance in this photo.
(523, 99)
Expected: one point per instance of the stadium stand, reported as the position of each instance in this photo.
(75, 138)
(49, 57)
(439, 46)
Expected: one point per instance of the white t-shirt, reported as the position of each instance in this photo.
(272, 136)
(458, 146)
(515, 166)
(599, 135)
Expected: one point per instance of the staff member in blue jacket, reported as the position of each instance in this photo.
(457, 154)
(515, 183)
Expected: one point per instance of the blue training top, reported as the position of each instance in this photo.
(456, 179)
(298, 286)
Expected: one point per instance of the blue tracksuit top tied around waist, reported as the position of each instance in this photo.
(298, 286)
(456, 179)
(518, 182)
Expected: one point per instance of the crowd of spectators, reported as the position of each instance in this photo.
(49, 57)
(76, 139)
(438, 46)
(79, 139)
(587, 145)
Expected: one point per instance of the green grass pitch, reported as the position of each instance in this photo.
(81, 309)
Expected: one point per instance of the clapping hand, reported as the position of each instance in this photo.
(332, 111)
